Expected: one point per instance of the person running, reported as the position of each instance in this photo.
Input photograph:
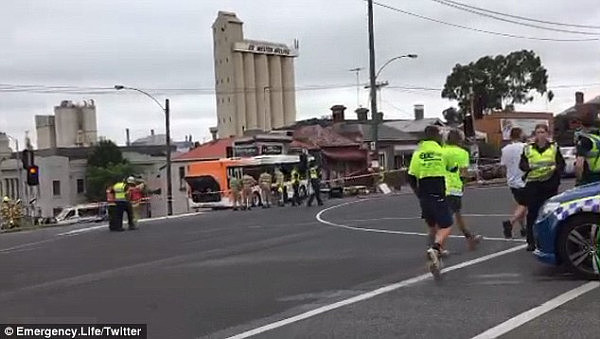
(543, 165)
(510, 159)
(427, 176)
(458, 157)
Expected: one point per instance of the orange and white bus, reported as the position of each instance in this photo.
(208, 181)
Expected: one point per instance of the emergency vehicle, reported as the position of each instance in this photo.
(208, 181)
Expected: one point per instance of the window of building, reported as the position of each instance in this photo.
(80, 186)
(226, 60)
(56, 187)
(228, 99)
(229, 119)
(223, 29)
(220, 61)
(222, 100)
(227, 79)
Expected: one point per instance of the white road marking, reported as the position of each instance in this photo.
(369, 295)
(533, 313)
(377, 230)
(9, 249)
(419, 218)
(83, 230)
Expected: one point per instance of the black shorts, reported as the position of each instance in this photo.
(454, 203)
(435, 211)
(520, 195)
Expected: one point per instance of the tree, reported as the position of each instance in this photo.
(497, 81)
(106, 166)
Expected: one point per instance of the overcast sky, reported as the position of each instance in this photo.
(160, 44)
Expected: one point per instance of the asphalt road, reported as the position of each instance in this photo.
(356, 265)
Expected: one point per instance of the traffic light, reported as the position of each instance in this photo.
(27, 158)
(33, 175)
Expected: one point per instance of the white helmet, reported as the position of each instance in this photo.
(131, 180)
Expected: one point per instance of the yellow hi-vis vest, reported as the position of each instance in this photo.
(428, 161)
(593, 156)
(120, 192)
(542, 165)
(313, 173)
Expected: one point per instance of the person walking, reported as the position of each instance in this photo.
(265, 180)
(459, 158)
(427, 176)
(315, 183)
(510, 159)
(543, 165)
(135, 195)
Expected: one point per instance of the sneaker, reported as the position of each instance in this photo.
(433, 262)
(507, 226)
(473, 241)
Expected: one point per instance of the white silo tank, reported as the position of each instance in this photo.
(67, 121)
(90, 129)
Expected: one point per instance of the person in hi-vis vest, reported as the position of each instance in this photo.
(543, 165)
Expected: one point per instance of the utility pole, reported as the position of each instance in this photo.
(357, 70)
(374, 112)
(169, 183)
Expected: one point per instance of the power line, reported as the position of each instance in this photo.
(507, 35)
(461, 8)
(522, 17)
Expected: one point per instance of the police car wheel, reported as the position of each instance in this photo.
(579, 246)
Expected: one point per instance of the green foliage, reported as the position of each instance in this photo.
(453, 116)
(106, 166)
(497, 81)
(105, 153)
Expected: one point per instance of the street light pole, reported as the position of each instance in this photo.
(167, 112)
(169, 179)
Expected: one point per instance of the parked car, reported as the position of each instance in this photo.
(568, 154)
(567, 231)
(93, 212)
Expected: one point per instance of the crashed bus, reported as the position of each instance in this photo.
(208, 181)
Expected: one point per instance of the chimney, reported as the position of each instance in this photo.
(152, 132)
(128, 143)
(578, 98)
(213, 131)
(338, 113)
(361, 113)
(419, 112)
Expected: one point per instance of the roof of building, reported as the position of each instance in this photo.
(214, 149)
(572, 109)
(84, 152)
(322, 136)
(414, 126)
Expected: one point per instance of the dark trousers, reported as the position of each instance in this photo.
(536, 197)
(316, 192)
(116, 220)
(296, 197)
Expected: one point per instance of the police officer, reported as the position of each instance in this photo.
(587, 164)
(458, 157)
(123, 205)
(315, 183)
(296, 186)
(427, 178)
(265, 179)
(543, 165)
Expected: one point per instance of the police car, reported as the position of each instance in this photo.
(567, 231)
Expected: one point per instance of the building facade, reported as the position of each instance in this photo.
(254, 80)
(72, 125)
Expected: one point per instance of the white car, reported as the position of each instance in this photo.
(568, 154)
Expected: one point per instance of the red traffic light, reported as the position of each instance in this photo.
(33, 170)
